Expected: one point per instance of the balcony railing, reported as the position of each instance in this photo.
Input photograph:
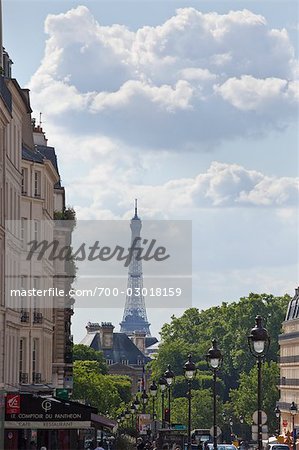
(24, 316)
(289, 359)
(36, 378)
(23, 378)
(289, 381)
(37, 317)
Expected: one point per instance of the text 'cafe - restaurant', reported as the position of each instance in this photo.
(49, 421)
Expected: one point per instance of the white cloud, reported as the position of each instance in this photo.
(190, 82)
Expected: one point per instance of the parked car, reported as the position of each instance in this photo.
(278, 446)
(225, 447)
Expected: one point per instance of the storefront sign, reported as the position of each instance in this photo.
(47, 425)
(33, 411)
(13, 402)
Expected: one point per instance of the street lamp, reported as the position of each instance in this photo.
(258, 342)
(144, 399)
(133, 410)
(169, 377)
(163, 384)
(293, 411)
(153, 389)
(190, 372)
(214, 358)
(278, 415)
(241, 418)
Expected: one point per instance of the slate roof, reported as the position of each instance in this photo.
(293, 308)
(123, 349)
(39, 154)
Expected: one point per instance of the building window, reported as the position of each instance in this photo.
(139, 362)
(125, 362)
(24, 234)
(109, 362)
(35, 356)
(36, 230)
(24, 181)
(37, 184)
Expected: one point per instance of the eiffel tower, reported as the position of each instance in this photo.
(135, 317)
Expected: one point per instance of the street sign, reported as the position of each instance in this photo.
(62, 393)
(219, 431)
(255, 417)
(178, 426)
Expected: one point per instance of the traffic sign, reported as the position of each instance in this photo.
(178, 426)
(255, 417)
(62, 393)
(219, 431)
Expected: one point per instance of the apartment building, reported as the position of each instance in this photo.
(289, 365)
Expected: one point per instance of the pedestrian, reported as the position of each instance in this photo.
(99, 446)
(140, 444)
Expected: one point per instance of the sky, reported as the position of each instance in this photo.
(192, 107)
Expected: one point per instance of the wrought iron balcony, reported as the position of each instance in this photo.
(36, 378)
(288, 381)
(37, 317)
(24, 316)
(23, 378)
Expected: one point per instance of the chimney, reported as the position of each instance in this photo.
(138, 339)
(106, 335)
(92, 327)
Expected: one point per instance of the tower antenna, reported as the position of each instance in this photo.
(136, 207)
(40, 119)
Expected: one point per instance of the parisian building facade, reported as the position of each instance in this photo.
(289, 365)
(35, 332)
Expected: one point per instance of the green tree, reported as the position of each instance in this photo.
(83, 353)
(244, 399)
(230, 323)
(201, 409)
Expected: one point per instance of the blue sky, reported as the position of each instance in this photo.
(190, 106)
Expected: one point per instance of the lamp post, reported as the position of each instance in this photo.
(190, 372)
(214, 358)
(137, 406)
(169, 377)
(231, 423)
(133, 410)
(144, 399)
(241, 418)
(258, 342)
(153, 389)
(127, 416)
(293, 411)
(278, 415)
(163, 384)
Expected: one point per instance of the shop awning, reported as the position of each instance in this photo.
(101, 421)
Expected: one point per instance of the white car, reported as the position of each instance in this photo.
(278, 446)
(226, 447)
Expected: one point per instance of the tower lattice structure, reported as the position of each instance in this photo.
(135, 317)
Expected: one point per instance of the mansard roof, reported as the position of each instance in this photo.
(39, 154)
(293, 308)
(123, 348)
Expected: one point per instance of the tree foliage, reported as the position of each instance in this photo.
(230, 323)
(83, 353)
(244, 399)
(105, 392)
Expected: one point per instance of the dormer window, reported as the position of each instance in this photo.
(109, 362)
(125, 362)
